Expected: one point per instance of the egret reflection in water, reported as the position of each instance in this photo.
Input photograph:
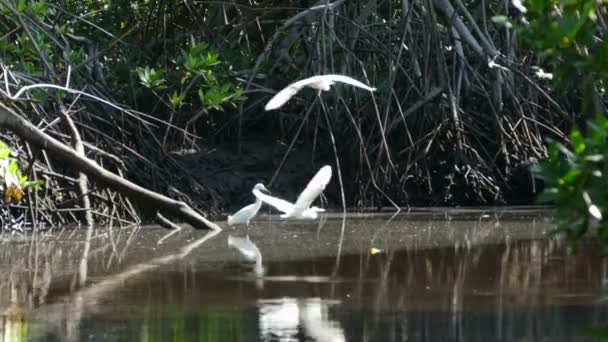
(249, 250)
(282, 320)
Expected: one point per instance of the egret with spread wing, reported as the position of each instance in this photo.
(247, 213)
(321, 83)
(301, 209)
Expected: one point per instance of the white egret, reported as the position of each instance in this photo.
(247, 213)
(249, 250)
(321, 83)
(301, 209)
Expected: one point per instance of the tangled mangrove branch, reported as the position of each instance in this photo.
(78, 162)
(458, 116)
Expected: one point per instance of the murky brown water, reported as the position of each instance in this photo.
(440, 276)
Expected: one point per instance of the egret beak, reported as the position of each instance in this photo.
(266, 190)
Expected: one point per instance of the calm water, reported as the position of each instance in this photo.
(440, 276)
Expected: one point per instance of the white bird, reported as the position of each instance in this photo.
(247, 213)
(249, 250)
(301, 209)
(321, 83)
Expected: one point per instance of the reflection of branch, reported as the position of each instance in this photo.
(112, 282)
(72, 305)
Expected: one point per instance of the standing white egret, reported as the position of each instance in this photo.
(247, 213)
(301, 209)
(321, 83)
(249, 250)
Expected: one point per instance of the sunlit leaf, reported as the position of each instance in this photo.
(34, 184)
(578, 143)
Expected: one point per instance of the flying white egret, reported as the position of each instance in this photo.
(321, 83)
(249, 250)
(301, 209)
(247, 213)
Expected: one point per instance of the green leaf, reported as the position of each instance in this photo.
(570, 177)
(4, 152)
(600, 332)
(578, 143)
(34, 184)
(176, 98)
(538, 6)
(39, 8)
(22, 6)
(13, 167)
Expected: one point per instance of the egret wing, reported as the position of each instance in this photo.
(349, 80)
(278, 203)
(280, 98)
(288, 92)
(314, 188)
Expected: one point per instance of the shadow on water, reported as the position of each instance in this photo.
(438, 276)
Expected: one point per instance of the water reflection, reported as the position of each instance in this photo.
(456, 278)
(249, 250)
(279, 319)
(292, 319)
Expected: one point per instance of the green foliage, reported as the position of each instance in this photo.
(196, 74)
(121, 48)
(570, 42)
(14, 181)
(576, 180)
(599, 332)
(151, 78)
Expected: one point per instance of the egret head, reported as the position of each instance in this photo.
(260, 187)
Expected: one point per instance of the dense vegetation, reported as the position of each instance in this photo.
(461, 111)
(571, 40)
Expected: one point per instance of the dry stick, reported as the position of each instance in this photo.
(267, 48)
(448, 10)
(428, 97)
(134, 114)
(83, 186)
(377, 110)
(150, 199)
(293, 141)
(333, 145)
(485, 42)
(368, 163)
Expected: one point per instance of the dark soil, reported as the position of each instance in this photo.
(230, 176)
